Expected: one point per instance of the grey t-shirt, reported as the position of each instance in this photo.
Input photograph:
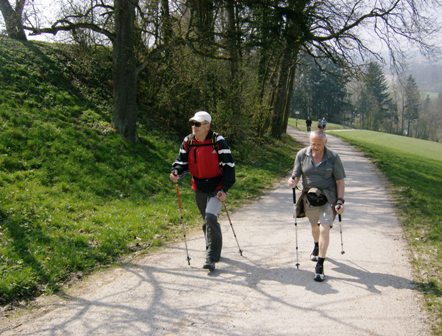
(322, 176)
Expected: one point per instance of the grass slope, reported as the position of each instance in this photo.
(414, 168)
(74, 195)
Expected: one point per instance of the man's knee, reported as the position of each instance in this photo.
(324, 228)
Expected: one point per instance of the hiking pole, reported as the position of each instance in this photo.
(296, 228)
(234, 234)
(340, 231)
(180, 208)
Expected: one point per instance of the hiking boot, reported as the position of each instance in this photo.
(209, 264)
(315, 252)
(319, 273)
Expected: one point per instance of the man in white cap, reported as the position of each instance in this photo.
(207, 156)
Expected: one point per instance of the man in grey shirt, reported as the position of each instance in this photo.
(322, 198)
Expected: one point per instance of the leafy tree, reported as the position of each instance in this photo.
(320, 90)
(424, 121)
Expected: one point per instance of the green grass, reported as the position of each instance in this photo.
(423, 148)
(414, 168)
(74, 195)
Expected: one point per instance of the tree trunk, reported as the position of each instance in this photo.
(235, 58)
(124, 70)
(284, 90)
(288, 104)
(13, 19)
(203, 21)
(166, 31)
(233, 41)
(282, 94)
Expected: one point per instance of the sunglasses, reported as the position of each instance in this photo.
(196, 123)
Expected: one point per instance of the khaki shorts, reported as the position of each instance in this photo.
(319, 214)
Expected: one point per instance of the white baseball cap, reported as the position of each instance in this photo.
(201, 116)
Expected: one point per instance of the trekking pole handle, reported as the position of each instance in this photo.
(340, 218)
(294, 195)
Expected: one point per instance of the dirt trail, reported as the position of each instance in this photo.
(368, 290)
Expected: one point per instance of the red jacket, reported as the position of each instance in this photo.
(209, 162)
(204, 164)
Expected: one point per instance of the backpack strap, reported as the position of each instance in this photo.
(191, 137)
(214, 144)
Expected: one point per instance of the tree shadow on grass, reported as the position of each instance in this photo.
(20, 245)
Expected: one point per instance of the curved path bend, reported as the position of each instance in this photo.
(368, 290)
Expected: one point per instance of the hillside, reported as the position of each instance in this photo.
(75, 195)
(62, 165)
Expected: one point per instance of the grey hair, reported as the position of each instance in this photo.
(320, 134)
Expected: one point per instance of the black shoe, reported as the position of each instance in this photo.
(319, 273)
(209, 264)
(314, 255)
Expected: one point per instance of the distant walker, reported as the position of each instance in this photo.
(308, 123)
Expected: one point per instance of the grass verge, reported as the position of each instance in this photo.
(414, 169)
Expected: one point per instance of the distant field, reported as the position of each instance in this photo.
(427, 149)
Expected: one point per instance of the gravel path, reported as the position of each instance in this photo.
(368, 290)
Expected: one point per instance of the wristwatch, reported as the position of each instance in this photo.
(340, 200)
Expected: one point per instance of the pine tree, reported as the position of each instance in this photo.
(412, 103)
(375, 90)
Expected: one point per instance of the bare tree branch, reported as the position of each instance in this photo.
(66, 25)
(79, 18)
